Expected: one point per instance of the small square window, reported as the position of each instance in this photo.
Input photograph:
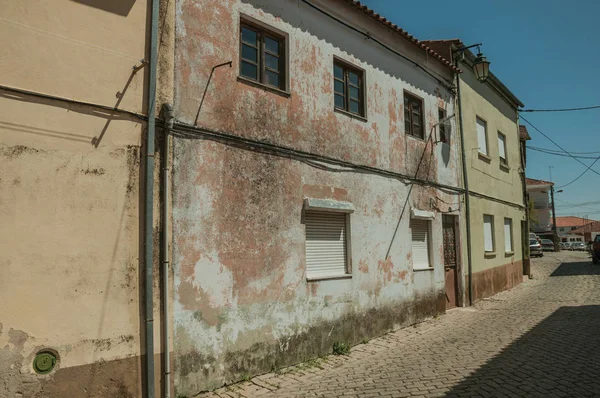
(348, 88)
(262, 56)
(326, 244)
(413, 116)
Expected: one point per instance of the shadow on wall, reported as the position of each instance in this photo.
(575, 269)
(119, 7)
(558, 357)
(309, 20)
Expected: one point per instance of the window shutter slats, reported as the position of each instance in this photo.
(325, 243)
(420, 243)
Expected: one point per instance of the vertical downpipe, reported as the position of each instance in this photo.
(149, 202)
(169, 117)
(466, 185)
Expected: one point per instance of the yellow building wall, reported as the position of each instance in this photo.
(70, 268)
(498, 271)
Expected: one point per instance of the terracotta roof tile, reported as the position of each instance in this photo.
(570, 221)
(590, 227)
(357, 4)
(533, 181)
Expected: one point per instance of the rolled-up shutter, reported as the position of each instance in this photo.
(325, 243)
(420, 243)
(488, 233)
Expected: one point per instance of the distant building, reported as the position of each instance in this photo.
(576, 229)
(541, 217)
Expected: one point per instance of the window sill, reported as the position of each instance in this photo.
(326, 278)
(484, 157)
(350, 114)
(414, 137)
(504, 167)
(265, 87)
(508, 254)
(490, 254)
(423, 269)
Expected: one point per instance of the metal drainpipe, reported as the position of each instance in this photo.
(169, 118)
(466, 184)
(149, 202)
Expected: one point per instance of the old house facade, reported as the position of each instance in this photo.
(311, 202)
(495, 170)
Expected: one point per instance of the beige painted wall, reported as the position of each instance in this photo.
(486, 176)
(69, 196)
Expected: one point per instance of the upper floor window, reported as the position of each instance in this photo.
(502, 149)
(444, 133)
(413, 115)
(262, 56)
(348, 87)
(482, 136)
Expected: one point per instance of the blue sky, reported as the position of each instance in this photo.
(547, 52)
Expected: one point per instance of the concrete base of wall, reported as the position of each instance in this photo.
(317, 340)
(495, 280)
(120, 378)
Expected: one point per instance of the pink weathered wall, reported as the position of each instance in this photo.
(242, 304)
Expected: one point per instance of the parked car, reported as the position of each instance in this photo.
(567, 245)
(547, 245)
(595, 249)
(580, 246)
(535, 249)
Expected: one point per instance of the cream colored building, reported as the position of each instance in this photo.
(71, 264)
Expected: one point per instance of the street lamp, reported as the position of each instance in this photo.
(481, 66)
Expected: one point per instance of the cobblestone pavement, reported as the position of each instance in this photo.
(540, 339)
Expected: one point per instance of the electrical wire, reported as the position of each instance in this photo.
(585, 108)
(564, 150)
(554, 150)
(561, 154)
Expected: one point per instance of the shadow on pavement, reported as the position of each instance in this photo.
(558, 357)
(578, 268)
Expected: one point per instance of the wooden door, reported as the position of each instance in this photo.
(450, 261)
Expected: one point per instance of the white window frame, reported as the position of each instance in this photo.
(510, 240)
(426, 217)
(502, 148)
(485, 150)
(332, 207)
(493, 240)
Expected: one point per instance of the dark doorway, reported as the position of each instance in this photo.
(450, 260)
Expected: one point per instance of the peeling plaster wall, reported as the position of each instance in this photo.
(70, 198)
(242, 304)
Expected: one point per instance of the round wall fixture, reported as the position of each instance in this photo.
(44, 362)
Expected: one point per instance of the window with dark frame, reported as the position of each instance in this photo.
(413, 116)
(444, 136)
(262, 56)
(348, 88)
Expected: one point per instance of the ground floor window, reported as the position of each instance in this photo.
(326, 244)
(488, 233)
(421, 245)
(508, 235)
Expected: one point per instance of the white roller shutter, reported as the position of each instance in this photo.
(420, 243)
(325, 244)
(502, 147)
(508, 235)
(488, 231)
(481, 136)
